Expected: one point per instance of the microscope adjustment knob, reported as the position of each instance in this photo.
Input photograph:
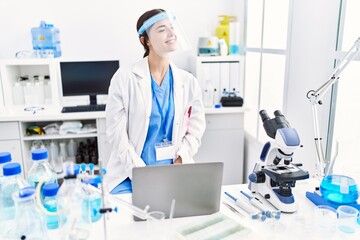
(257, 177)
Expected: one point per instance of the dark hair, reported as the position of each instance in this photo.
(140, 22)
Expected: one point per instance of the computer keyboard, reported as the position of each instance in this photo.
(84, 108)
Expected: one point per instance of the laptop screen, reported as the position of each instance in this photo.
(196, 188)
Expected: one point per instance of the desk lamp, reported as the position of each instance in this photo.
(315, 97)
(334, 188)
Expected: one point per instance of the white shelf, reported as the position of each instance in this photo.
(57, 136)
(225, 110)
(12, 69)
(229, 58)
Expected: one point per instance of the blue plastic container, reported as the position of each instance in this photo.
(46, 40)
(339, 189)
(49, 192)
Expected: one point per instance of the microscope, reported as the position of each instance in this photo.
(275, 175)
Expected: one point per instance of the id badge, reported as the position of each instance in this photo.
(164, 151)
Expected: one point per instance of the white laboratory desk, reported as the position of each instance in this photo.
(299, 225)
(221, 123)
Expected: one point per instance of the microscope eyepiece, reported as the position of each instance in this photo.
(264, 116)
(278, 113)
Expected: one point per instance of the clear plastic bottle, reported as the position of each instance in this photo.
(49, 192)
(72, 148)
(29, 222)
(12, 182)
(93, 201)
(63, 152)
(18, 94)
(5, 158)
(70, 197)
(216, 98)
(55, 159)
(41, 169)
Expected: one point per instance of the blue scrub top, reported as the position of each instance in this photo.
(161, 119)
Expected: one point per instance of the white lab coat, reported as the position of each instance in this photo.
(128, 111)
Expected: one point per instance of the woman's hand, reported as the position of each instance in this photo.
(178, 160)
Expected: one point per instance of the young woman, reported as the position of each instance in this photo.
(154, 112)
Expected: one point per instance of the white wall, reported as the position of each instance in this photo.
(94, 29)
(310, 62)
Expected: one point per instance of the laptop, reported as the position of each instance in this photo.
(195, 187)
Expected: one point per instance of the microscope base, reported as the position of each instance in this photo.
(283, 204)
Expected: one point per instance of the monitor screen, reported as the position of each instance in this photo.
(87, 77)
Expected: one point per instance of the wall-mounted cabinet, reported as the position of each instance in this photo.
(29, 83)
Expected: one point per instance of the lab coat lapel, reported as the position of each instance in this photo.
(178, 84)
(141, 69)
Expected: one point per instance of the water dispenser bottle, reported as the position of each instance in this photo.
(46, 40)
(41, 169)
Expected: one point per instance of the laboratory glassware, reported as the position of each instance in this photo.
(41, 169)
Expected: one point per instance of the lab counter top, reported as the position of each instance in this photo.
(49, 113)
(302, 224)
(45, 114)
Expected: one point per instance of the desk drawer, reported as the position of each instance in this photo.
(9, 130)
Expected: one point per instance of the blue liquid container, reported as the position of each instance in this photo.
(339, 189)
(11, 182)
(92, 202)
(5, 157)
(28, 221)
(49, 192)
(46, 40)
(41, 170)
(70, 197)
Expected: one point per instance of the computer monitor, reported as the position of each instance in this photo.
(90, 78)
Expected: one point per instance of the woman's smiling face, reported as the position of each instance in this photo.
(162, 37)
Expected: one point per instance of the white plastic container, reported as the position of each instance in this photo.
(30, 98)
(18, 94)
(47, 91)
(72, 148)
(39, 93)
(55, 159)
(234, 38)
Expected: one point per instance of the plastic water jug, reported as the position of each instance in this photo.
(46, 40)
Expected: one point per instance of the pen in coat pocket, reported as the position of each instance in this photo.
(189, 112)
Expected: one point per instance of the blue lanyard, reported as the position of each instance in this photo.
(164, 118)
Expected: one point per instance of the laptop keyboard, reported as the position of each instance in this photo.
(84, 108)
